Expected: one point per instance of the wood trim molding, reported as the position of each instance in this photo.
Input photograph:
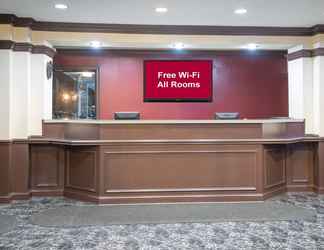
(167, 52)
(171, 29)
(6, 44)
(24, 47)
(299, 54)
(160, 29)
(16, 21)
(318, 52)
(305, 53)
(27, 47)
(44, 50)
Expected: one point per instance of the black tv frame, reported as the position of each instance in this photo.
(209, 99)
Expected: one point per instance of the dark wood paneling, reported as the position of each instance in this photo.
(47, 168)
(300, 166)
(179, 168)
(19, 169)
(188, 131)
(53, 130)
(295, 129)
(319, 167)
(81, 131)
(283, 130)
(4, 171)
(179, 131)
(274, 166)
(81, 169)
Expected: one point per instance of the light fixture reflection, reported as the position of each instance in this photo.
(87, 74)
(66, 97)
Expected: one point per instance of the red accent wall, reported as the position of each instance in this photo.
(254, 84)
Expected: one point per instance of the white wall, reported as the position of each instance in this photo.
(40, 94)
(318, 100)
(5, 83)
(25, 94)
(47, 93)
(20, 95)
(300, 82)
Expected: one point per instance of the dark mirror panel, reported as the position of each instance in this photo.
(74, 94)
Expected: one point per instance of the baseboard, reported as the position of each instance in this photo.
(274, 192)
(5, 199)
(319, 190)
(20, 196)
(301, 188)
(83, 196)
(179, 198)
(76, 195)
(40, 193)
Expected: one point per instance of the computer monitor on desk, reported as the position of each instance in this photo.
(227, 116)
(127, 116)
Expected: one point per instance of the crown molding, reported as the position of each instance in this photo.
(24, 47)
(16, 21)
(160, 29)
(44, 50)
(168, 52)
(305, 53)
(6, 44)
(27, 47)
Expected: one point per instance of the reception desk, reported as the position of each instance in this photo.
(174, 161)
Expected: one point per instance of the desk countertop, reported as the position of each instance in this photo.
(246, 121)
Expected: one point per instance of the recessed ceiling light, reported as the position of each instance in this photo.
(252, 46)
(240, 11)
(161, 9)
(87, 74)
(61, 6)
(178, 46)
(95, 44)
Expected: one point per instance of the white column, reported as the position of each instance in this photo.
(5, 85)
(300, 83)
(47, 95)
(41, 94)
(20, 95)
(318, 100)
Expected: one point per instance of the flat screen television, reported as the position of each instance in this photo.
(178, 80)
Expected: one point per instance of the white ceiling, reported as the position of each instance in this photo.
(292, 13)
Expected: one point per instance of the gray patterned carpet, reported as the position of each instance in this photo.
(292, 235)
(7, 223)
(169, 213)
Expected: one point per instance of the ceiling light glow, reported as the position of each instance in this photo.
(178, 46)
(61, 6)
(240, 11)
(87, 74)
(161, 9)
(95, 44)
(252, 46)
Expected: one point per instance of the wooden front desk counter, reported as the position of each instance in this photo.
(171, 161)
